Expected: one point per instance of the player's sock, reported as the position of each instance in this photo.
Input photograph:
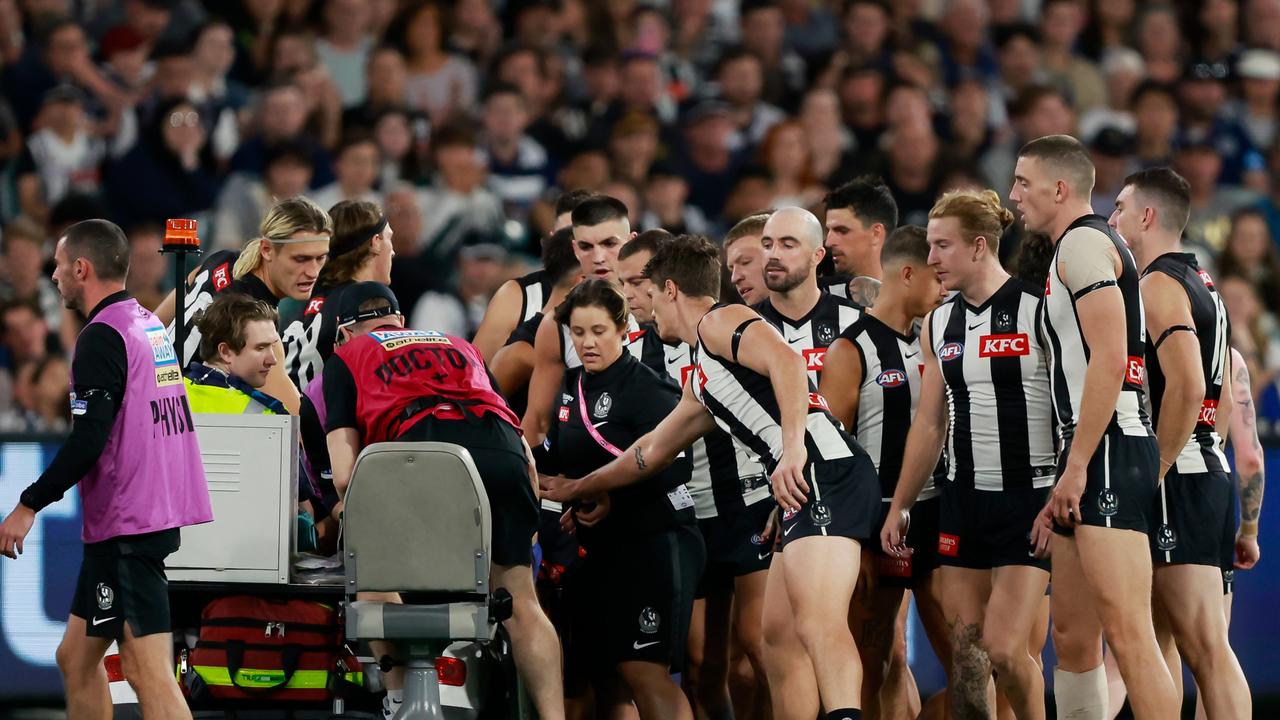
(1080, 696)
(845, 714)
(391, 703)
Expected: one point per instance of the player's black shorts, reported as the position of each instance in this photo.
(922, 537)
(639, 598)
(843, 501)
(734, 546)
(1193, 519)
(984, 529)
(123, 579)
(499, 457)
(1120, 483)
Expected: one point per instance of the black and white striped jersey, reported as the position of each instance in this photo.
(1068, 351)
(309, 333)
(743, 404)
(811, 334)
(994, 368)
(534, 291)
(214, 276)
(889, 391)
(642, 342)
(1203, 450)
(726, 475)
(837, 285)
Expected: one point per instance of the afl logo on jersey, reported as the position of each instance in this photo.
(222, 277)
(891, 378)
(1004, 346)
(950, 351)
(314, 305)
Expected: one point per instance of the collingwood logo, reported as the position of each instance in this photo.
(1165, 538)
(603, 404)
(106, 596)
(1108, 503)
(826, 334)
(649, 621)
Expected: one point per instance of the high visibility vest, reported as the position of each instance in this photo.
(222, 400)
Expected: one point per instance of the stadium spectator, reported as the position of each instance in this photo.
(344, 46)
(357, 164)
(666, 195)
(1250, 253)
(457, 203)
(281, 117)
(519, 167)
(439, 83)
(741, 78)
(223, 100)
(245, 198)
(149, 275)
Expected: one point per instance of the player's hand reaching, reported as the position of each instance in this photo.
(14, 529)
(591, 513)
(1064, 501)
(789, 486)
(893, 536)
(1247, 551)
(559, 488)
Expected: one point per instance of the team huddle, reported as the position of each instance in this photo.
(705, 458)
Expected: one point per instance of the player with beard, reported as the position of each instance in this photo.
(519, 299)
(808, 318)
(861, 215)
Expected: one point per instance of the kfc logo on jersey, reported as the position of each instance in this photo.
(222, 277)
(1205, 277)
(891, 378)
(1134, 370)
(685, 372)
(1012, 345)
(1208, 413)
(635, 335)
(563, 415)
(813, 358)
(950, 351)
(314, 305)
(817, 402)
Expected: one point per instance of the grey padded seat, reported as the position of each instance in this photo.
(417, 520)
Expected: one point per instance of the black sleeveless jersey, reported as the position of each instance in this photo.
(309, 333)
(214, 276)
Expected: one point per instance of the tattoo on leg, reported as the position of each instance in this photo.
(970, 672)
(640, 463)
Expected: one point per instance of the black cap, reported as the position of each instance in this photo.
(350, 298)
(1112, 142)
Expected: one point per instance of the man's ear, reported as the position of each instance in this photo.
(224, 353)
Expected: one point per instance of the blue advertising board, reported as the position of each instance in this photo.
(35, 590)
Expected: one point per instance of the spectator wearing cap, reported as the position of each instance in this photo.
(1259, 72)
(708, 163)
(344, 46)
(124, 59)
(634, 146)
(281, 116)
(740, 75)
(1111, 150)
(357, 165)
(439, 83)
(457, 205)
(1202, 93)
(1061, 22)
(519, 167)
(1122, 70)
(64, 155)
(666, 193)
(245, 198)
(169, 173)
(1212, 202)
(763, 32)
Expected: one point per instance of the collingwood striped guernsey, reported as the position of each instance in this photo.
(811, 334)
(743, 404)
(993, 366)
(1069, 353)
(889, 392)
(726, 476)
(1202, 452)
(534, 291)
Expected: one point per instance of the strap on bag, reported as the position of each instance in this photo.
(290, 656)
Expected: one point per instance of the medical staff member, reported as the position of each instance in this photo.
(643, 551)
(386, 383)
(133, 451)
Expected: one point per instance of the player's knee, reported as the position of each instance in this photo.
(750, 637)
(71, 661)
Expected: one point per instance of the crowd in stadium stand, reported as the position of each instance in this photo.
(466, 119)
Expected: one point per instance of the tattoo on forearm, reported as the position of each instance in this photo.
(640, 463)
(1251, 496)
(970, 672)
